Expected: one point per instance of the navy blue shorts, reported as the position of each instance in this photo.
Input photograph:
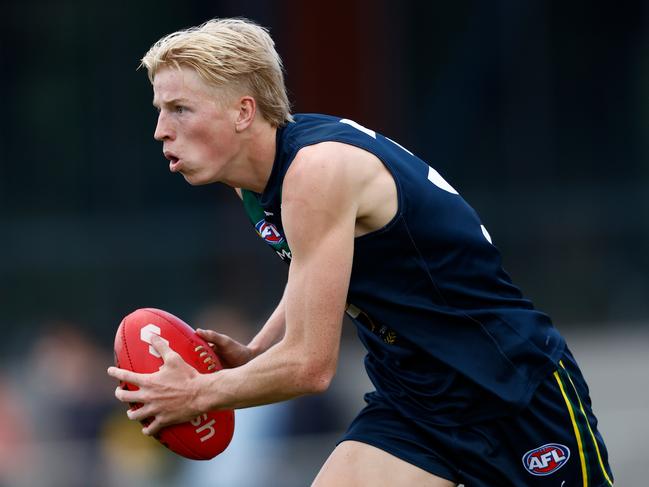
(553, 442)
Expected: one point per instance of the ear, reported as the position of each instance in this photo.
(247, 109)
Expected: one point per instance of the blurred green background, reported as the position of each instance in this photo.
(536, 111)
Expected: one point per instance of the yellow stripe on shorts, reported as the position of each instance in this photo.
(584, 471)
(592, 435)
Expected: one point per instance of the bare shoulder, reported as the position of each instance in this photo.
(345, 167)
(320, 171)
(342, 176)
(318, 197)
(335, 153)
(325, 157)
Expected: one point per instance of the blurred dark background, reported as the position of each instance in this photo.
(536, 111)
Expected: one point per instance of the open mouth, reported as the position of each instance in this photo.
(174, 162)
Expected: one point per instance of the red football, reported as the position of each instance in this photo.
(205, 436)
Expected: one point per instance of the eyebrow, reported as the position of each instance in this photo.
(173, 101)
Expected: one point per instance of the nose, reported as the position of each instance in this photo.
(163, 130)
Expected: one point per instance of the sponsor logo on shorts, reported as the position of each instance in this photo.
(546, 459)
(269, 232)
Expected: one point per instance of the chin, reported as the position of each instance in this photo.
(197, 180)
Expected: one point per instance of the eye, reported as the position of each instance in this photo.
(179, 109)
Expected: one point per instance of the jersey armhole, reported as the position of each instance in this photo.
(400, 198)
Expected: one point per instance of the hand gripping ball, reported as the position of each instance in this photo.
(205, 436)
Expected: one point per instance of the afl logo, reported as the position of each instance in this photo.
(269, 232)
(546, 459)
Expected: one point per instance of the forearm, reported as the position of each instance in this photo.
(303, 362)
(277, 375)
(272, 331)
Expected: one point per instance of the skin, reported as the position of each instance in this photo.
(331, 194)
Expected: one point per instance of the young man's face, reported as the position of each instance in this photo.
(196, 129)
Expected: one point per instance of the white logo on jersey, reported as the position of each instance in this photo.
(284, 254)
(145, 335)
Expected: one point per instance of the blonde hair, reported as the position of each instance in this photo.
(232, 54)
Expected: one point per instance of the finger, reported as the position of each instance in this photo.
(126, 376)
(162, 347)
(140, 414)
(128, 396)
(153, 428)
(205, 334)
(213, 337)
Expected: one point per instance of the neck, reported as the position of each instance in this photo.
(257, 158)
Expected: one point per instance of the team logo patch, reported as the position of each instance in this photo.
(546, 459)
(269, 232)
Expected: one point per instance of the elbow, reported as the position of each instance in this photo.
(316, 379)
(320, 384)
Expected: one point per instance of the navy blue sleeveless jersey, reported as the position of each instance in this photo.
(450, 339)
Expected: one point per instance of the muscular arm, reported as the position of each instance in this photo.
(318, 212)
(319, 208)
(234, 354)
(272, 331)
